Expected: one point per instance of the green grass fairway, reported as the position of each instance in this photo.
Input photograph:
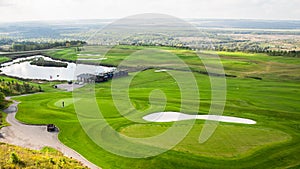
(273, 102)
(229, 141)
(65, 54)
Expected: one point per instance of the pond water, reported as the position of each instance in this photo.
(22, 68)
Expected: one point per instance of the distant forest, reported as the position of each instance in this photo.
(27, 46)
(248, 49)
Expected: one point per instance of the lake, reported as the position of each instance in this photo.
(22, 68)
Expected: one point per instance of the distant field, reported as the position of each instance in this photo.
(235, 63)
(273, 102)
(66, 54)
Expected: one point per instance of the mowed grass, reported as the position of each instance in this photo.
(272, 102)
(273, 142)
(65, 102)
(260, 65)
(4, 59)
(229, 141)
(69, 54)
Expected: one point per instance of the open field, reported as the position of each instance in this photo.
(272, 102)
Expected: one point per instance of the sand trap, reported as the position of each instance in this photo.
(175, 116)
(161, 70)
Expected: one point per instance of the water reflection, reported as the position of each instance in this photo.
(22, 68)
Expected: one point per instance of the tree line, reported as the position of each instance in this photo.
(254, 48)
(220, 47)
(27, 46)
(9, 88)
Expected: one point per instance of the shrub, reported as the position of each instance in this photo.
(14, 159)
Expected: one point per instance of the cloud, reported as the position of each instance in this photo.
(13, 10)
(5, 3)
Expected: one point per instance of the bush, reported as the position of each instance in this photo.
(3, 102)
(1, 116)
(14, 159)
(16, 88)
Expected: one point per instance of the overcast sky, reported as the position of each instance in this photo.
(23, 10)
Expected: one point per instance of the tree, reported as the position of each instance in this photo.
(3, 102)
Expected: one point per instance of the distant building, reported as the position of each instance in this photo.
(86, 78)
(120, 73)
(101, 77)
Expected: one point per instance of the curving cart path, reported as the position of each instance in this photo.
(35, 136)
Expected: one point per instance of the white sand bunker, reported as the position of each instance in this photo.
(161, 70)
(175, 116)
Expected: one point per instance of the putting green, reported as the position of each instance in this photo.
(67, 102)
(229, 141)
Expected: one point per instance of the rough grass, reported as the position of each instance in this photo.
(17, 157)
(3, 121)
(48, 86)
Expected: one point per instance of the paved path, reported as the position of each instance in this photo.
(35, 136)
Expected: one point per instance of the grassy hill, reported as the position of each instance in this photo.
(17, 157)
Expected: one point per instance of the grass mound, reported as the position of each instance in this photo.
(17, 157)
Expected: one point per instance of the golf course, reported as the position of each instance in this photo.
(264, 89)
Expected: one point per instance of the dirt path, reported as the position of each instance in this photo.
(35, 136)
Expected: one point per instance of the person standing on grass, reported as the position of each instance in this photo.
(63, 104)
